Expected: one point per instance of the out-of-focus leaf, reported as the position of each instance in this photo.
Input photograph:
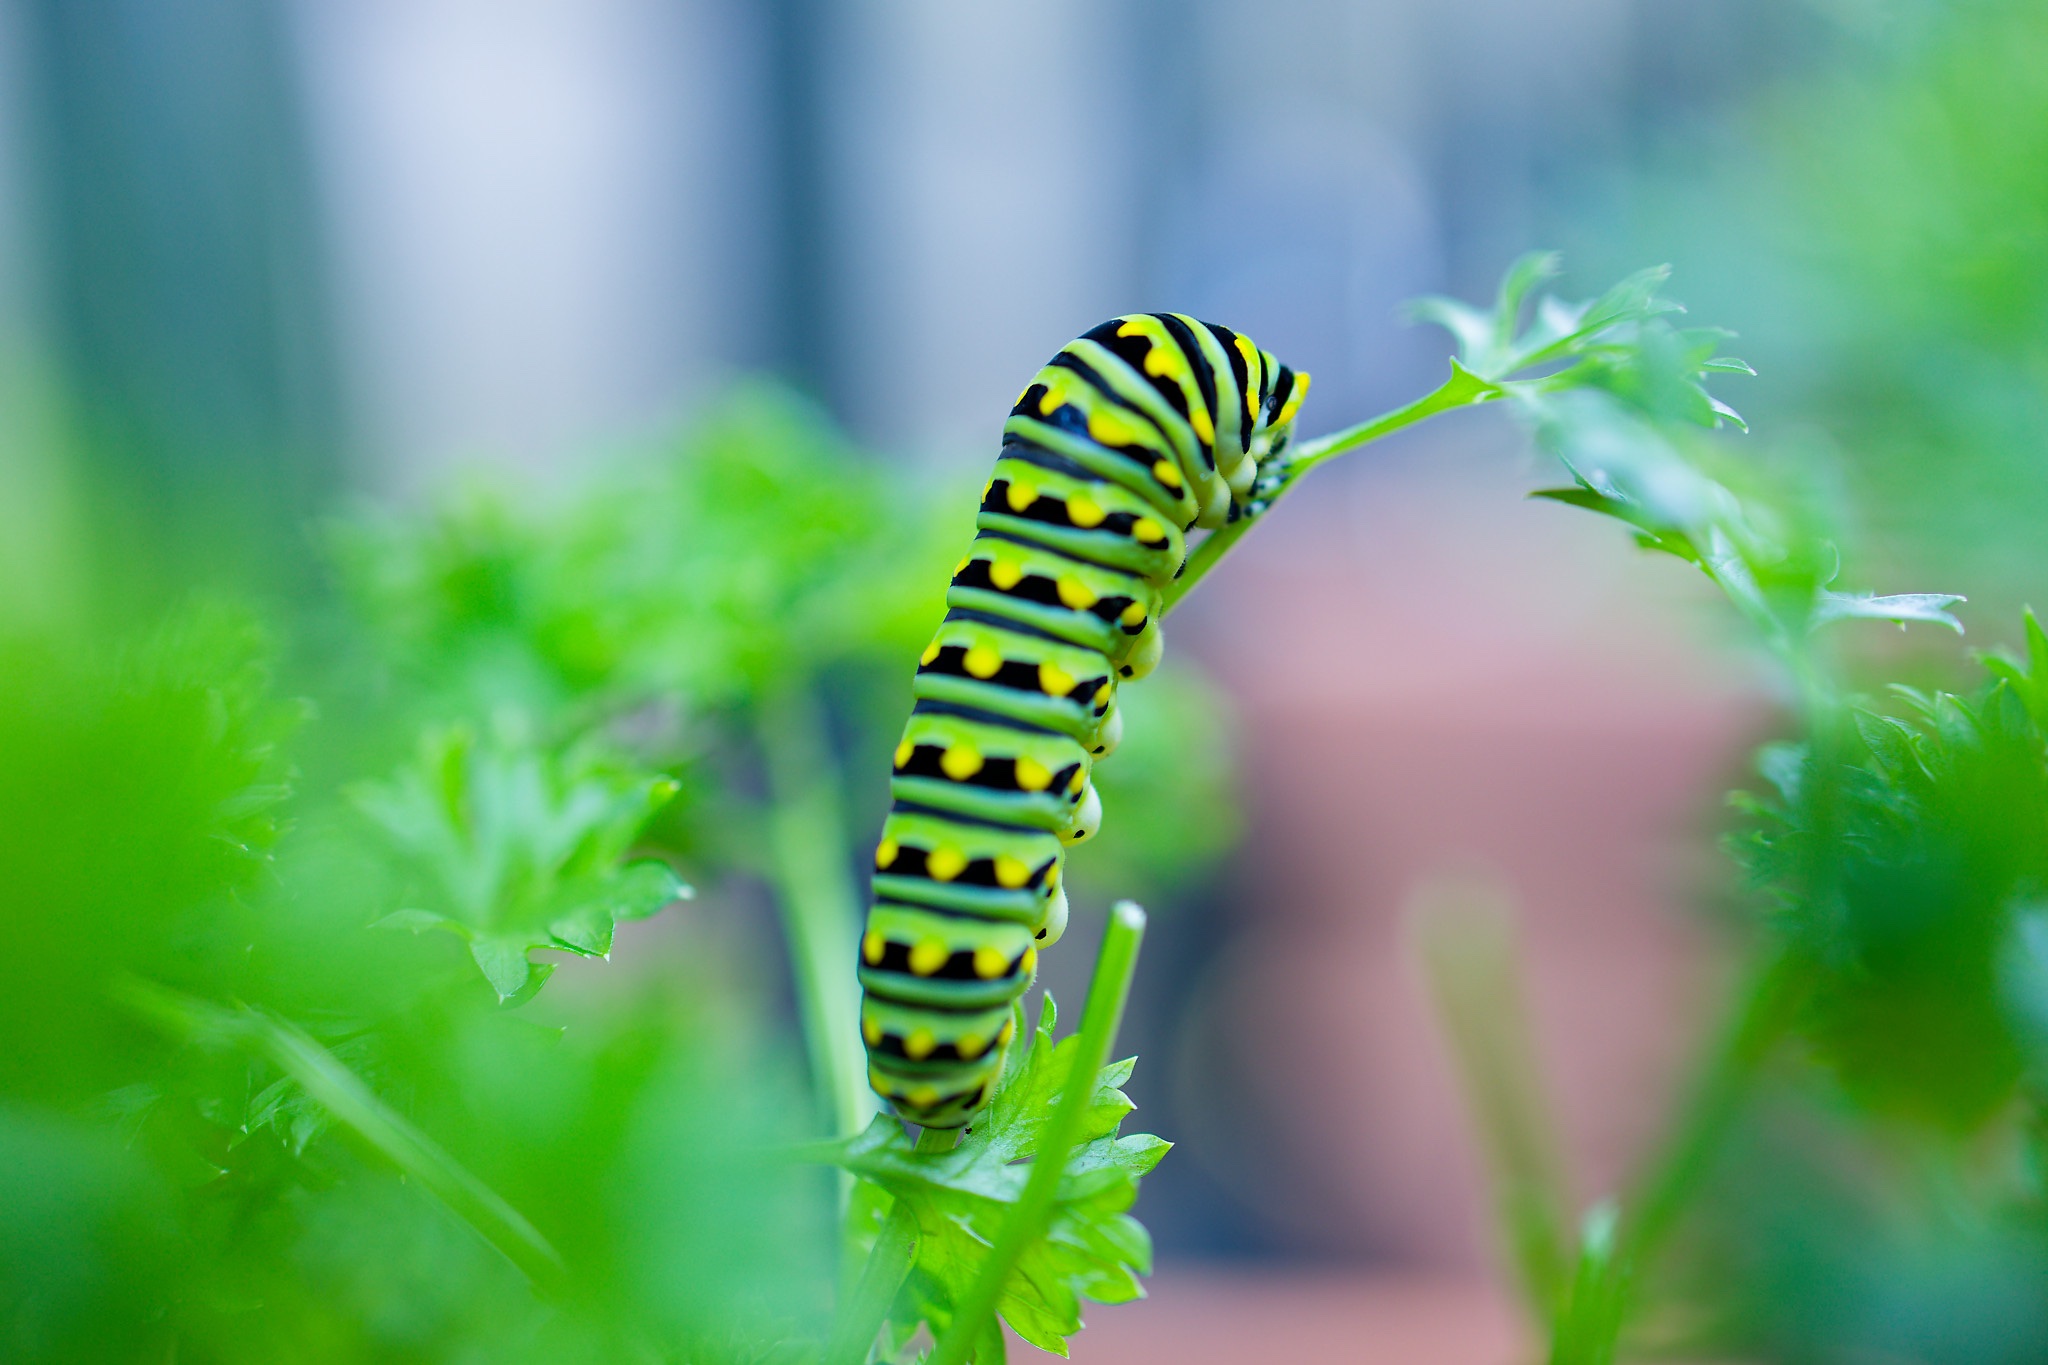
(517, 848)
(1769, 558)
(1902, 861)
(2028, 679)
(1899, 608)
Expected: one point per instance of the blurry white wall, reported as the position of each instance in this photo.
(535, 213)
(985, 192)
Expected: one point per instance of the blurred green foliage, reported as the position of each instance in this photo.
(245, 1115)
(1860, 1169)
(1879, 224)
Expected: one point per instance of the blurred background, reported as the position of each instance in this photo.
(261, 261)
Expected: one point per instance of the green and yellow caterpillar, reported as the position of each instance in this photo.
(1136, 432)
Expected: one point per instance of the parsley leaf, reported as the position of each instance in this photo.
(515, 848)
(1093, 1248)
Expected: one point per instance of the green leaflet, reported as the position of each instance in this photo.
(1905, 861)
(1774, 567)
(1093, 1248)
(514, 848)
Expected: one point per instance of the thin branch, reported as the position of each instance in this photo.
(327, 1080)
(888, 1265)
(1467, 939)
(819, 904)
(1462, 389)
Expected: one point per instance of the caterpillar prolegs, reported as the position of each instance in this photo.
(1137, 431)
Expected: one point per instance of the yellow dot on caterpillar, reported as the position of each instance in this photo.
(1007, 1031)
(1102, 695)
(1055, 681)
(928, 955)
(880, 1083)
(1050, 403)
(1032, 776)
(1077, 781)
(1133, 615)
(1006, 574)
(904, 751)
(989, 963)
(922, 1096)
(1028, 964)
(931, 651)
(1205, 427)
(919, 1044)
(965, 560)
(1133, 328)
(1167, 472)
(982, 662)
(872, 1031)
(946, 863)
(960, 762)
(970, 1046)
(1011, 872)
(872, 946)
(1074, 593)
(885, 853)
(1020, 495)
(1084, 511)
(1148, 531)
(1111, 429)
(1162, 360)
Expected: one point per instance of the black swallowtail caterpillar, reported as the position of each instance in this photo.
(1135, 432)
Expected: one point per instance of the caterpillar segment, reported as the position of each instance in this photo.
(1137, 432)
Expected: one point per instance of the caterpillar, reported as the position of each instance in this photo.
(1138, 431)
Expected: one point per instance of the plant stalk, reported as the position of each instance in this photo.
(327, 1080)
(1108, 992)
(820, 906)
(881, 1279)
(1769, 1005)
(1466, 935)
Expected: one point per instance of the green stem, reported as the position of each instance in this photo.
(888, 1265)
(1107, 994)
(819, 904)
(1467, 938)
(344, 1095)
(1587, 1322)
(1462, 389)
(1768, 1007)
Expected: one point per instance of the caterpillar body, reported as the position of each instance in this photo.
(1138, 431)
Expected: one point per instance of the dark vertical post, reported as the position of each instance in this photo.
(801, 325)
(180, 274)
